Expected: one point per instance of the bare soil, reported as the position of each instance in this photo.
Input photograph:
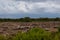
(11, 28)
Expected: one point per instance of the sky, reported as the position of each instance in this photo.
(29, 8)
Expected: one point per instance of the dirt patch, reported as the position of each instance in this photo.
(8, 28)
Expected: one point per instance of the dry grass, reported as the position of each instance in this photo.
(13, 27)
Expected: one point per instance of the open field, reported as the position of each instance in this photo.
(8, 28)
(30, 30)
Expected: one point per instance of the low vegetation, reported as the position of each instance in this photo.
(28, 19)
(33, 34)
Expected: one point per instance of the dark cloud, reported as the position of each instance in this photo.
(32, 0)
(37, 6)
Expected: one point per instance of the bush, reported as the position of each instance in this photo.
(33, 34)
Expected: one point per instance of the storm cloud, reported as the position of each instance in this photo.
(13, 6)
(29, 6)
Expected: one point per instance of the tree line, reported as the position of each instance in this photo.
(28, 19)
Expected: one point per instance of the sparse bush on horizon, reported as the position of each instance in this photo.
(28, 19)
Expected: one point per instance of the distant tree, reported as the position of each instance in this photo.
(57, 19)
(27, 19)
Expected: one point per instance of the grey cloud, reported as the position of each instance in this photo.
(39, 0)
(32, 0)
(19, 6)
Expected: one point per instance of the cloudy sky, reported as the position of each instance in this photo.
(29, 8)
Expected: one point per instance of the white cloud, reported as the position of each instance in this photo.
(11, 6)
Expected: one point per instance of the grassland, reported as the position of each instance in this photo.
(13, 27)
(33, 34)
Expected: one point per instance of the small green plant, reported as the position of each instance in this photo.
(2, 37)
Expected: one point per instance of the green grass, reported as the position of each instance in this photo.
(34, 34)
